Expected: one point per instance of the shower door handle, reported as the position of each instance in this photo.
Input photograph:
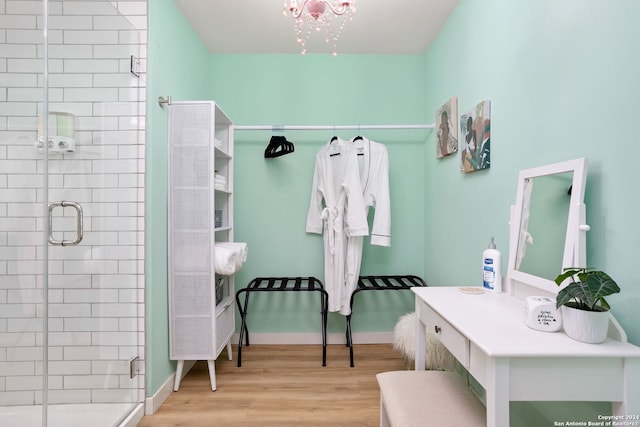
(79, 223)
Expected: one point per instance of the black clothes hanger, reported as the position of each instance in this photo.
(278, 146)
(289, 146)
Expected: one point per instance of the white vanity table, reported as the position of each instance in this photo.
(488, 336)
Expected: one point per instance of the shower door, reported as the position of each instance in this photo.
(71, 213)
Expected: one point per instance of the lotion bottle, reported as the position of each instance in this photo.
(492, 268)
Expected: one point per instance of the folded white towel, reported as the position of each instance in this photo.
(230, 257)
(219, 182)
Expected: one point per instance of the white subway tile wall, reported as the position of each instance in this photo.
(96, 289)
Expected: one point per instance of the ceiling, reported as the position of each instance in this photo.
(258, 26)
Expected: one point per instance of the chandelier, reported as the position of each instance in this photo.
(322, 16)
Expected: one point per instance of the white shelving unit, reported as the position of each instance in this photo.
(201, 303)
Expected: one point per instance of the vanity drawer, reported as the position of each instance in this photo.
(449, 336)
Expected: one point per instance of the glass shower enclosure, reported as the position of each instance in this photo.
(71, 212)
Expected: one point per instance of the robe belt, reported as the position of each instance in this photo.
(331, 219)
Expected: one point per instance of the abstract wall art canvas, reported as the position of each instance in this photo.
(446, 125)
(475, 138)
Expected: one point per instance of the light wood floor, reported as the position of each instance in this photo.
(283, 385)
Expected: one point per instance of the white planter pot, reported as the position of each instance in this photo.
(586, 326)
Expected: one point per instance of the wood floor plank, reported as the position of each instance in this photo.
(282, 385)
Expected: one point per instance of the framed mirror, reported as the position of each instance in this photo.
(547, 232)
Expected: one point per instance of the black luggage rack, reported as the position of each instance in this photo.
(379, 283)
(282, 284)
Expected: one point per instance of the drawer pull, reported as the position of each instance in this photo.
(437, 329)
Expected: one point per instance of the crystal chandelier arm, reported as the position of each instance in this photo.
(292, 6)
(297, 10)
(343, 7)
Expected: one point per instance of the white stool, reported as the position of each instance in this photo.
(404, 340)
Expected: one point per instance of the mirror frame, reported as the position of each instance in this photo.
(574, 254)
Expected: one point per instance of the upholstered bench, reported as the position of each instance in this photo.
(427, 398)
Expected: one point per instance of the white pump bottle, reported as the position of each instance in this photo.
(492, 268)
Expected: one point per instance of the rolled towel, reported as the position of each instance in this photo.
(240, 248)
(230, 257)
(225, 260)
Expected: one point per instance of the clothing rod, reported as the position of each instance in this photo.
(329, 127)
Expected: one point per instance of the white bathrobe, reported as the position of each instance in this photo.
(336, 182)
(373, 166)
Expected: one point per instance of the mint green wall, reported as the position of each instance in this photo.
(178, 66)
(563, 80)
(272, 195)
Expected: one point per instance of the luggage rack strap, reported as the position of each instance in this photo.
(387, 282)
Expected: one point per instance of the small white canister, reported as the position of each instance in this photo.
(540, 313)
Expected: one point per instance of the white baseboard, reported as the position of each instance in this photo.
(314, 338)
(153, 403)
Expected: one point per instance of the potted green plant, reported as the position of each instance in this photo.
(585, 312)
